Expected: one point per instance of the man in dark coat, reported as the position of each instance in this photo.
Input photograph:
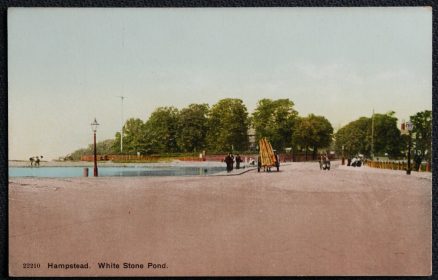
(229, 161)
(259, 163)
(277, 160)
(238, 161)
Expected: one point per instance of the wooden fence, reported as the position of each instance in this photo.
(396, 165)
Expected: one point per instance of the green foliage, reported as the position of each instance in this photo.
(133, 139)
(161, 131)
(387, 138)
(356, 136)
(275, 120)
(116, 143)
(422, 135)
(224, 127)
(313, 131)
(192, 128)
(228, 126)
(104, 147)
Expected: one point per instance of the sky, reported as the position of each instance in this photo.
(67, 66)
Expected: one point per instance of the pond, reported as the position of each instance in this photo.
(113, 171)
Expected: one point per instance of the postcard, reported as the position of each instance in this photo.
(220, 141)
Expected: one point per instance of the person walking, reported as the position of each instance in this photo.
(327, 162)
(277, 160)
(31, 161)
(238, 161)
(321, 161)
(37, 161)
(259, 163)
(232, 161)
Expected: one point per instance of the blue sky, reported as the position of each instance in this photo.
(68, 65)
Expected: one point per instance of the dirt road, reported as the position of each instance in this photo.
(300, 221)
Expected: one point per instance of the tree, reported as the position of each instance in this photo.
(275, 120)
(160, 131)
(104, 147)
(228, 126)
(313, 132)
(192, 127)
(422, 136)
(116, 143)
(387, 138)
(134, 133)
(356, 137)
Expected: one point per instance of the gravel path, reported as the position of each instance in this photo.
(300, 221)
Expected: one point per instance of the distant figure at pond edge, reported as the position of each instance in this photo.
(37, 161)
(229, 161)
(238, 161)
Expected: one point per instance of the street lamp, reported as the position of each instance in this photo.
(94, 128)
(409, 127)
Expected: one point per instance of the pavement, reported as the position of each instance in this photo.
(299, 221)
(425, 175)
(235, 171)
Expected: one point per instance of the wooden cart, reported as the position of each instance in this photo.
(267, 157)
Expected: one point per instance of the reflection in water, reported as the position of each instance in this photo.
(113, 171)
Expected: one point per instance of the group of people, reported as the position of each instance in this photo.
(35, 161)
(355, 162)
(230, 159)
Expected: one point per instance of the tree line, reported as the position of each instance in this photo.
(386, 140)
(228, 127)
(224, 127)
(221, 128)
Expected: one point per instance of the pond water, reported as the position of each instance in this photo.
(113, 171)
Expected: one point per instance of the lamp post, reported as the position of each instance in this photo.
(409, 127)
(94, 128)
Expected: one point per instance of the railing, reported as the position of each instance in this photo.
(396, 165)
(119, 157)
